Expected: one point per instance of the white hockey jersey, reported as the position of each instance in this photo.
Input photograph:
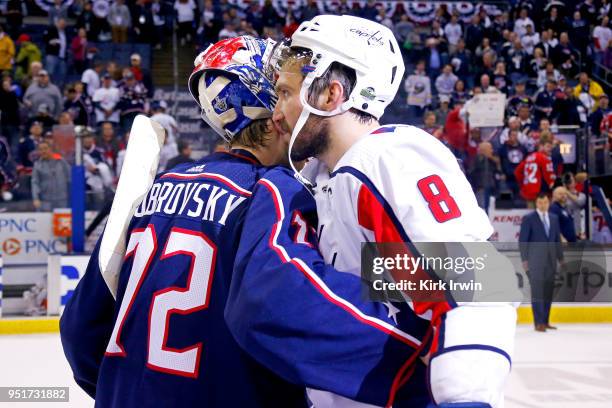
(400, 184)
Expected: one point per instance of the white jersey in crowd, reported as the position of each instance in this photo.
(400, 184)
(107, 98)
(168, 123)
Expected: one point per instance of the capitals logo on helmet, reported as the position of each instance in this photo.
(230, 84)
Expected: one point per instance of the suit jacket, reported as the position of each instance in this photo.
(540, 251)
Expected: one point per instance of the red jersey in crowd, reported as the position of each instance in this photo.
(534, 175)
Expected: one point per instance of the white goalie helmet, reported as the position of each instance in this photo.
(363, 45)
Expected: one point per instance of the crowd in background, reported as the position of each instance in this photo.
(541, 54)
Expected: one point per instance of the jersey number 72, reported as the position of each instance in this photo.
(142, 246)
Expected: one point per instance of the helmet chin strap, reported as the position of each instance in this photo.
(307, 109)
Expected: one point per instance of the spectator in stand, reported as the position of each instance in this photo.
(565, 57)
(485, 84)
(445, 83)
(58, 11)
(602, 34)
(168, 151)
(453, 32)
(56, 49)
(547, 44)
(518, 61)
(521, 23)
(474, 33)
(311, 9)
(15, 10)
(98, 175)
(27, 150)
(579, 33)
(269, 17)
(76, 108)
(8, 173)
(511, 153)
(567, 109)
(527, 124)
(576, 201)
(109, 144)
(87, 20)
(537, 63)
(462, 62)
(121, 154)
(608, 56)
(370, 11)
(105, 102)
(437, 33)
(514, 124)
(535, 174)
(482, 174)
(65, 119)
(7, 51)
(158, 110)
(431, 126)
(566, 221)
(185, 16)
(50, 180)
(530, 39)
(455, 131)
(484, 48)
(554, 22)
(460, 94)
(141, 74)
(142, 21)
(501, 81)
(158, 11)
(228, 31)
(184, 155)
(79, 51)
(32, 76)
(208, 23)
(520, 97)
(91, 78)
(9, 108)
(418, 88)
(385, 19)
(589, 87)
(443, 110)
(545, 100)
(433, 58)
(28, 53)
(120, 19)
(596, 118)
(43, 92)
(291, 25)
(133, 99)
(547, 74)
(43, 116)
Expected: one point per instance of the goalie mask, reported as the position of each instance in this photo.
(230, 85)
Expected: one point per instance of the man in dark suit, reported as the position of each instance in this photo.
(540, 247)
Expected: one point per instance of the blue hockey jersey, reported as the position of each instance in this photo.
(183, 318)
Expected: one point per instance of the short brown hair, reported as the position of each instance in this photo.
(256, 134)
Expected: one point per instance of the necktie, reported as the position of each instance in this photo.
(546, 225)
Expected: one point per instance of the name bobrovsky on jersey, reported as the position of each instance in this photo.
(194, 199)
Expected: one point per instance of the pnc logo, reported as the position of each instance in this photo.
(11, 246)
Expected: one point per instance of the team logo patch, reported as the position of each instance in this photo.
(220, 104)
(374, 39)
(368, 93)
(196, 169)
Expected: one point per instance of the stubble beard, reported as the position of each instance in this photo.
(313, 139)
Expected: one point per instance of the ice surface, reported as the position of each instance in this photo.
(567, 368)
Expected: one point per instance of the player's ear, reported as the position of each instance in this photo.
(333, 96)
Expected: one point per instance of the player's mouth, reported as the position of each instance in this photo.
(282, 128)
